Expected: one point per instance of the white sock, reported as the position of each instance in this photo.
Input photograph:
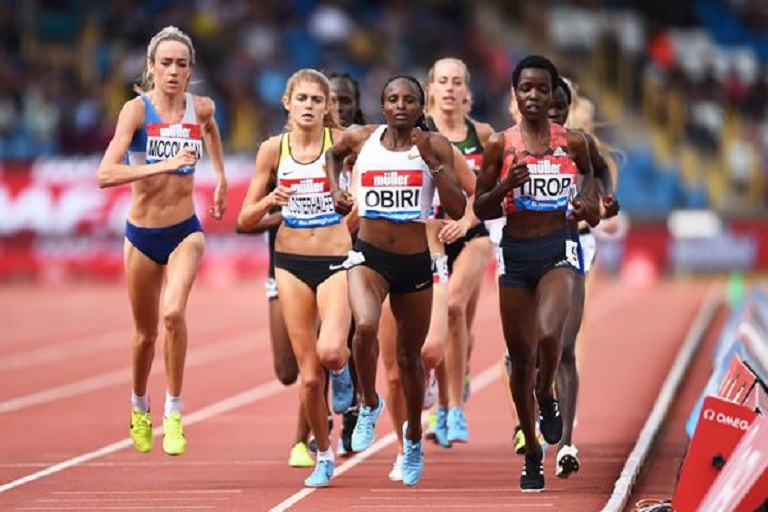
(338, 372)
(326, 455)
(139, 403)
(172, 404)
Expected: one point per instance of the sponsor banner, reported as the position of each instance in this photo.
(742, 486)
(56, 223)
(743, 246)
(53, 206)
(62, 199)
(721, 425)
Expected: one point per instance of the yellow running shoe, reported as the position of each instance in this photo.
(519, 440)
(141, 431)
(174, 442)
(300, 457)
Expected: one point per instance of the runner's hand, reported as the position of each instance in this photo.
(421, 140)
(452, 231)
(610, 206)
(582, 212)
(185, 157)
(518, 175)
(219, 199)
(280, 196)
(343, 202)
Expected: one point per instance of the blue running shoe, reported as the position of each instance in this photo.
(342, 390)
(441, 428)
(322, 474)
(458, 431)
(365, 430)
(413, 459)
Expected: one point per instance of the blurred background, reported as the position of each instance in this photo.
(681, 89)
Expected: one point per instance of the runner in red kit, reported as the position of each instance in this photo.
(533, 169)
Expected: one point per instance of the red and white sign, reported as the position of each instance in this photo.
(54, 219)
(742, 486)
(720, 427)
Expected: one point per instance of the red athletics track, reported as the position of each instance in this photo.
(64, 395)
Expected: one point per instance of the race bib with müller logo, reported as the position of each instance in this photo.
(164, 141)
(550, 187)
(311, 205)
(392, 195)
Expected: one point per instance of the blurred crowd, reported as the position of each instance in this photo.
(708, 91)
(699, 72)
(697, 68)
(66, 66)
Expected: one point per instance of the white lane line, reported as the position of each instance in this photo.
(194, 507)
(622, 488)
(247, 397)
(155, 463)
(135, 498)
(483, 490)
(488, 376)
(187, 491)
(87, 345)
(485, 506)
(211, 353)
(56, 352)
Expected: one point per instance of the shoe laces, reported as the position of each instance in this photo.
(365, 419)
(412, 453)
(456, 417)
(173, 426)
(549, 407)
(142, 421)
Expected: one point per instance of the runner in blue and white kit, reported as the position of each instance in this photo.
(161, 133)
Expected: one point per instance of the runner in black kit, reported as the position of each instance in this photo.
(399, 165)
(567, 461)
(346, 91)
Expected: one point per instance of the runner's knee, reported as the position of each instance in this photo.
(366, 331)
(313, 381)
(145, 337)
(457, 309)
(333, 358)
(173, 318)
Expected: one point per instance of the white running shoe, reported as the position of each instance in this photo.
(567, 461)
(396, 475)
(430, 391)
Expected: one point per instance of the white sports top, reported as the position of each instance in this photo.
(392, 185)
(156, 141)
(311, 205)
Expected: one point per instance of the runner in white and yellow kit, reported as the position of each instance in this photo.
(310, 251)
